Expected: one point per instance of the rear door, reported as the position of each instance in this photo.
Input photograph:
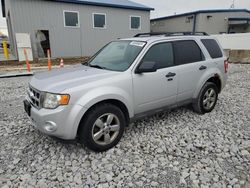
(157, 89)
(191, 65)
(217, 58)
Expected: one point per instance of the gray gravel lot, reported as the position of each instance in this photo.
(173, 149)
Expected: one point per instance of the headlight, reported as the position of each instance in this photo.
(52, 101)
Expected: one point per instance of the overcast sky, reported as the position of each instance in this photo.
(170, 7)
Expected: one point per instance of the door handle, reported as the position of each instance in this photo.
(202, 67)
(170, 74)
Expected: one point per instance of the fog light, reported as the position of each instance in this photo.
(50, 126)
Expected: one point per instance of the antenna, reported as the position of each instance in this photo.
(233, 5)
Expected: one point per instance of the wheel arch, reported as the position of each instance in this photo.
(113, 95)
(114, 102)
(214, 78)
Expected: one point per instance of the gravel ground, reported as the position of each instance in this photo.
(173, 149)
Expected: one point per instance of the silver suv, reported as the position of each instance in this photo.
(126, 80)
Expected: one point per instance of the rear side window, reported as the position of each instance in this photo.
(162, 54)
(212, 48)
(187, 52)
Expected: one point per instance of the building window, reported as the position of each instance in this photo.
(99, 20)
(135, 22)
(189, 18)
(71, 19)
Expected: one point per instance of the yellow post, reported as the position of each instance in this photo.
(5, 50)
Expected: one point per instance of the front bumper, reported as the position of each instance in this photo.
(61, 122)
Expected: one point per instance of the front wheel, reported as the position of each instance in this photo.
(207, 98)
(102, 128)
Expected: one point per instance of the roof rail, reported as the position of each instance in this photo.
(170, 34)
(149, 34)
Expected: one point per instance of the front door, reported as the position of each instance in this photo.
(157, 89)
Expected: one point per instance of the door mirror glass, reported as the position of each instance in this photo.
(146, 66)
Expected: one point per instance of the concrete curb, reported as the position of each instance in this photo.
(10, 75)
(19, 72)
(32, 68)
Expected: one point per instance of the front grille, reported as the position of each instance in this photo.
(35, 97)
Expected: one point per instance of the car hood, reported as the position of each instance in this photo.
(56, 81)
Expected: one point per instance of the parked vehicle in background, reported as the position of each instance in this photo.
(126, 80)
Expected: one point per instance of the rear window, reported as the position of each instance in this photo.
(212, 48)
(187, 52)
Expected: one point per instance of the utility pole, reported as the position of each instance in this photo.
(233, 5)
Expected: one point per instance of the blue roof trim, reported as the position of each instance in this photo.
(125, 4)
(201, 11)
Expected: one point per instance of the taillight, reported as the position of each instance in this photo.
(226, 65)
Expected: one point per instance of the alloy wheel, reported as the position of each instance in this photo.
(209, 99)
(106, 129)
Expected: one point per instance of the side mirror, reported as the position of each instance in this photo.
(146, 66)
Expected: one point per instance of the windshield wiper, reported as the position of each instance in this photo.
(97, 66)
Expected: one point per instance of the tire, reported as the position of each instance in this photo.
(199, 105)
(102, 120)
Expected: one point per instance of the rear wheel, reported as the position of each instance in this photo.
(102, 128)
(207, 98)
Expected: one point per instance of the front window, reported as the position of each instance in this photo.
(71, 19)
(117, 56)
(99, 21)
(162, 54)
(135, 22)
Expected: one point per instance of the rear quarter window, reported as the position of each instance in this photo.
(212, 48)
(187, 52)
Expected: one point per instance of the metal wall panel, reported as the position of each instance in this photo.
(31, 15)
(218, 22)
(212, 23)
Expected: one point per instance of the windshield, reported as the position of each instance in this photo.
(117, 56)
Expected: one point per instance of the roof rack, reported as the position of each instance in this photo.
(171, 34)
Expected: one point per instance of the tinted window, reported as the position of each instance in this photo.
(212, 48)
(71, 19)
(162, 54)
(187, 52)
(99, 20)
(135, 22)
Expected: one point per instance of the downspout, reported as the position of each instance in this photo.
(228, 26)
(194, 26)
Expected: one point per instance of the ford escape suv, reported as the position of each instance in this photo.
(126, 80)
